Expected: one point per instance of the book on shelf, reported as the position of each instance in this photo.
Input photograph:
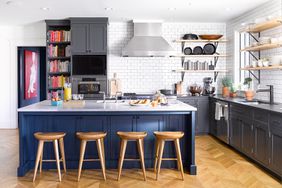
(57, 81)
(58, 66)
(58, 36)
(58, 51)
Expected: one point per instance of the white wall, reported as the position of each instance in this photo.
(273, 7)
(148, 74)
(10, 39)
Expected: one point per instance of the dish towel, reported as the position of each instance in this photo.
(218, 111)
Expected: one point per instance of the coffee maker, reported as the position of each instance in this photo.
(208, 89)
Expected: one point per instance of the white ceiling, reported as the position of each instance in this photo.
(19, 12)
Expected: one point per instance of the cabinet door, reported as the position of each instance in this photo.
(79, 38)
(235, 132)
(275, 128)
(261, 142)
(97, 41)
(149, 124)
(203, 115)
(247, 136)
(92, 124)
(194, 103)
(121, 123)
(212, 123)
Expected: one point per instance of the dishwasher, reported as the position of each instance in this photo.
(222, 121)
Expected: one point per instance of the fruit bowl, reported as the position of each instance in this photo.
(210, 37)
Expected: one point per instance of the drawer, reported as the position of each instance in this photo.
(241, 109)
(261, 115)
(275, 124)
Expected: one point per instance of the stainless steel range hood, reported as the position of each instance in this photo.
(147, 42)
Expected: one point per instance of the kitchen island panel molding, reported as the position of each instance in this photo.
(111, 122)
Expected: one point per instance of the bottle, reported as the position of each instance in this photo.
(115, 85)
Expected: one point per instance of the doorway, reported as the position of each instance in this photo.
(31, 75)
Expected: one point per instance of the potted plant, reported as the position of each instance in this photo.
(249, 93)
(226, 83)
(233, 90)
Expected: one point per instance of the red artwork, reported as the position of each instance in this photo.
(31, 78)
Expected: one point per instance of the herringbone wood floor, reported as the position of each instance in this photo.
(218, 167)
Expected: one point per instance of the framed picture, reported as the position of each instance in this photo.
(31, 63)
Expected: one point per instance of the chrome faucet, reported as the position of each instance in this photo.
(271, 95)
(104, 96)
(116, 96)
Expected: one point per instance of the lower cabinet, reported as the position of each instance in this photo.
(212, 121)
(261, 142)
(202, 114)
(247, 136)
(235, 130)
(275, 133)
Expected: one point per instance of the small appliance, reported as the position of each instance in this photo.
(208, 89)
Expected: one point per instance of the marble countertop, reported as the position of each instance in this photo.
(109, 106)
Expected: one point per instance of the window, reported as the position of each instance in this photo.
(241, 59)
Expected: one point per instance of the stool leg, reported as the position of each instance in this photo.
(38, 156)
(161, 150)
(103, 148)
(56, 149)
(82, 151)
(179, 159)
(141, 155)
(100, 152)
(121, 156)
(62, 150)
(41, 158)
(156, 155)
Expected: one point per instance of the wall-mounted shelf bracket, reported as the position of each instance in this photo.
(257, 77)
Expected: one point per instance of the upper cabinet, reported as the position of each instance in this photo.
(89, 36)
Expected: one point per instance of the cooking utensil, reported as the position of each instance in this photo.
(195, 89)
(190, 36)
(210, 37)
(166, 91)
(209, 49)
(187, 51)
(198, 50)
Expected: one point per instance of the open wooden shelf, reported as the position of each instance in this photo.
(214, 55)
(200, 71)
(262, 47)
(199, 40)
(262, 68)
(256, 28)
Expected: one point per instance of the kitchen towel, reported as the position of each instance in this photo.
(218, 111)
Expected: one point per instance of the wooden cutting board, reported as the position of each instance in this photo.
(74, 103)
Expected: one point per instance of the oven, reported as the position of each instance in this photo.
(88, 87)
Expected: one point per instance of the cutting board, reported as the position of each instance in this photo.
(74, 103)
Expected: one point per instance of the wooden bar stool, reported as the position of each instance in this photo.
(131, 136)
(50, 137)
(161, 137)
(92, 136)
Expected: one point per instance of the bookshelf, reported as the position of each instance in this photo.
(58, 55)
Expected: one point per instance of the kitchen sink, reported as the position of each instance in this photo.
(256, 102)
(110, 101)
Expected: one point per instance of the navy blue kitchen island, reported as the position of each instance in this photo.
(108, 117)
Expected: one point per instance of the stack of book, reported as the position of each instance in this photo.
(58, 36)
(59, 66)
(57, 81)
(58, 51)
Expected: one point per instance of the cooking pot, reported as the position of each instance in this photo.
(166, 91)
(190, 36)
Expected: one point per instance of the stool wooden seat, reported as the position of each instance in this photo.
(92, 136)
(50, 137)
(161, 137)
(131, 136)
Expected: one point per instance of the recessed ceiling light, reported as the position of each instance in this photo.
(14, 3)
(171, 9)
(108, 9)
(45, 8)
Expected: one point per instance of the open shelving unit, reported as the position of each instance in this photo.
(61, 42)
(215, 57)
(254, 31)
